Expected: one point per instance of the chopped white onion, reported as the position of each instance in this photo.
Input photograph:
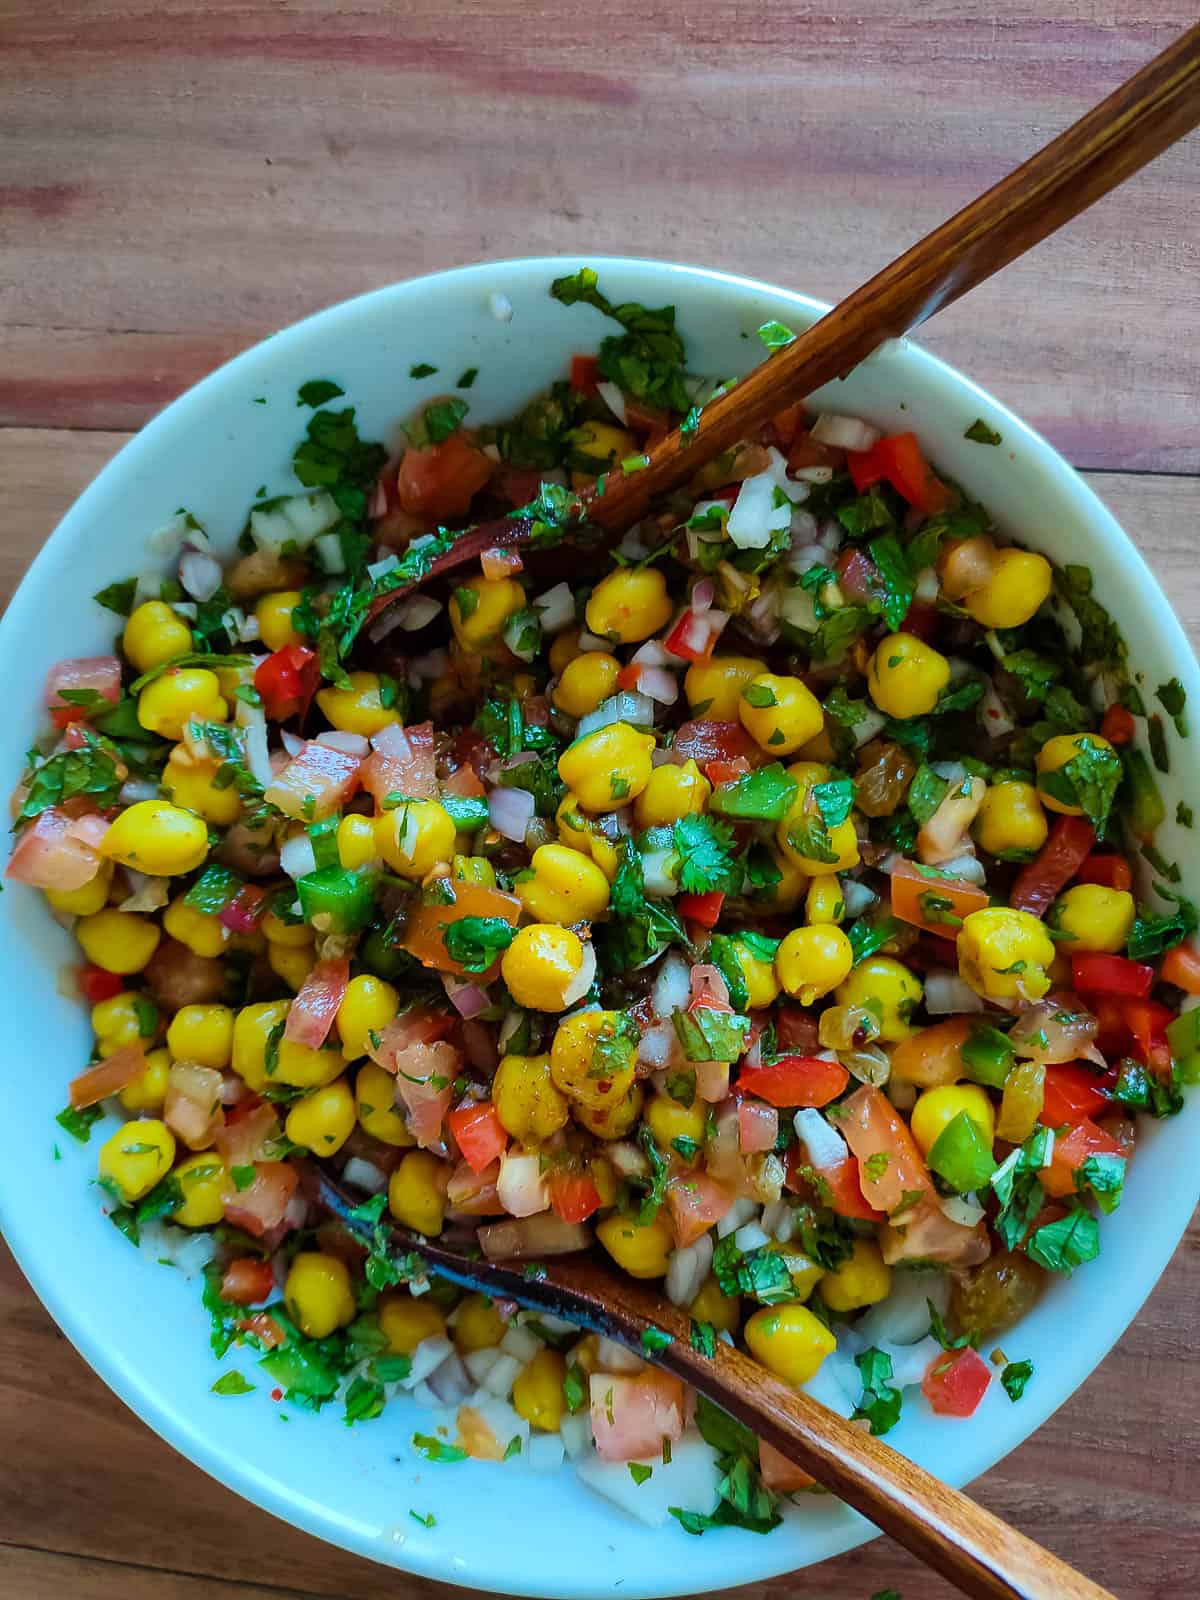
(365, 1175)
(258, 757)
(814, 474)
(690, 1478)
(657, 1045)
(352, 744)
(427, 1358)
(910, 1362)
(844, 433)
(544, 1452)
(857, 897)
(510, 811)
(450, 1382)
(613, 399)
(952, 771)
(310, 514)
(946, 993)
(687, 1270)
(742, 1209)
(385, 564)
(248, 630)
(467, 998)
(615, 1358)
(145, 893)
(504, 1373)
(961, 1208)
(521, 1343)
(751, 1236)
(521, 1186)
(968, 868)
(200, 575)
(755, 517)
(136, 789)
(626, 706)
(927, 586)
(169, 540)
(798, 607)
(868, 725)
(797, 493)
(291, 743)
(994, 714)
(659, 685)
(703, 595)
(480, 1362)
(392, 741)
(592, 642)
(556, 608)
(825, 1145)
(583, 979)
(660, 870)
(501, 307)
(575, 1431)
(187, 609)
(671, 986)
(903, 1317)
(296, 856)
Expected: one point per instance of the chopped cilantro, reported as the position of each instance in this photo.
(1015, 1376)
(980, 433)
(317, 391)
(475, 942)
(79, 1123)
(706, 859)
(421, 370)
(775, 335)
(1066, 1244)
(1172, 696)
(434, 1449)
(881, 1401)
(647, 361)
(118, 597)
(232, 1383)
(639, 1472)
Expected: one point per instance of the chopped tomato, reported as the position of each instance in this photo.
(955, 1382)
(57, 850)
(1118, 726)
(573, 1195)
(719, 772)
(1039, 884)
(424, 934)
(1111, 871)
(246, 910)
(796, 1032)
(585, 370)
(247, 1279)
(716, 741)
(632, 1416)
(500, 563)
(695, 1202)
(260, 1208)
(465, 782)
(192, 1108)
(1070, 1093)
(479, 1133)
(1147, 1022)
(693, 636)
(440, 481)
(838, 1185)
(474, 1193)
(938, 905)
(311, 1013)
(858, 577)
(517, 485)
(758, 1127)
(1071, 1150)
(251, 1129)
(402, 762)
(922, 620)
(1104, 974)
(865, 469)
(264, 1328)
(906, 469)
(107, 1077)
(786, 423)
(95, 984)
(1181, 967)
(871, 1127)
(794, 1081)
(779, 1474)
(315, 783)
(702, 908)
(95, 674)
(287, 681)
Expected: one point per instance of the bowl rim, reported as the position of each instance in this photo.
(744, 1561)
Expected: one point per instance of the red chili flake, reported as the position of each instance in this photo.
(276, 1394)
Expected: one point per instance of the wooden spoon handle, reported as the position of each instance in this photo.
(983, 1556)
(1134, 124)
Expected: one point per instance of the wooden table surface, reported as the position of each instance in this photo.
(177, 180)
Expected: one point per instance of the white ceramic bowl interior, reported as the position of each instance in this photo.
(500, 1529)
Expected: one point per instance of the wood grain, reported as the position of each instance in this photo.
(178, 179)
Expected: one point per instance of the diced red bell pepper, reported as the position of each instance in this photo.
(1071, 1150)
(1147, 1022)
(794, 1081)
(1181, 967)
(865, 469)
(1070, 1094)
(247, 1279)
(585, 370)
(1039, 884)
(287, 681)
(95, 984)
(1118, 726)
(955, 1382)
(898, 457)
(702, 908)
(574, 1197)
(693, 636)
(1110, 871)
(1093, 973)
(479, 1133)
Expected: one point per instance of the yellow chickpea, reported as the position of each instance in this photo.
(190, 784)
(375, 1106)
(356, 842)
(600, 445)
(790, 1341)
(360, 708)
(611, 1121)
(779, 713)
(203, 1034)
(1003, 954)
(415, 837)
(608, 767)
(480, 607)
(478, 1325)
(888, 990)
(671, 793)
(1094, 917)
(565, 888)
(148, 1090)
(178, 696)
(137, 1156)
(581, 832)
(1019, 583)
(629, 605)
(542, 967)
(592, 1057)
(528, 1103)
(1054, 776)
(641, 1250)
(585, 682)
(202, 1181)
(406, 1322)
(156, 837)
(323, 1120)
(203, 934)
(812, 961)
(119, 941)
(1011, 823)
(154, 634)
(538, 1391)
(367, 1007)
(417, 1192)
(87, 901)
(937, 1108)
(906, 676)
(714, 687)
(669, 1120)
(318, 1294)
(274, 613)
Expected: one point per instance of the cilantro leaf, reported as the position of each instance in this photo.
(475, 942)
(648, 360)
(1089, 780)
(980, 433)
(232, 1383)
(118, 597)
(1066, 1244)
(881, 1401)
(705, 856)
(896, 576)
(1014, 1378)
(317, 391)
(444, 417)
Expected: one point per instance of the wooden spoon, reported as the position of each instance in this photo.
(1137, 122)
(978, 1552)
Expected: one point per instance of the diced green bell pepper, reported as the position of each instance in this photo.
(344, 897)
(987, 1055)
(1144, 808)
(764, 795)
(469, 813)
(961, 1155)
(1183, 1036)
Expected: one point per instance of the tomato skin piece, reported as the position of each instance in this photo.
(1093, 973)
(794, 1081)
(1110, 871)
(955, 1382)
(1181, 967)
(786, 424)
(1071, 1150)
(95, 984)
(716, 741)
(585, 370)
(1038, 885)
(1070, 1094)
(287, 681)
(573, 1195)
(247, 1279)
(702, 908)
(1118, 726)
(479, 1134)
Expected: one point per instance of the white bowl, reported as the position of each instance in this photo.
(141, 1327)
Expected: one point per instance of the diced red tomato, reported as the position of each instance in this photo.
(96, 985)
(693, 636)
(403, 762)
(1181, 967)
(1038, 885)
(99, 674)
(696, 1202)
(719, 772)
(573, 1195)
(865, 469)
(107, 1077)
(632, 1416)
(260, 1208)
(287, 681)
(922, 620)
(1094, 973)
(1118, 726)
(1071, 1150)
(57, 850)
(465, 782)
(758, 1127)
(246, 910)
(517, 485)
(858, 576)
(904, 466)
(440, 481)
(794, 1081)
(786, 423)
(192, 1108)
(474, 1193)
(315, 783)
(265, 1329)
(585, 370)
(311, 1014)
(1147, 1022)
(425, 926)
(1111, 871)
(246, 1280)
(796, 1032)
(702, 908)
(479, 1133)
(779, 1474)
(872, 1126)
(1070, 1094)
(716, 741)
(839, 1187)
(955, 1382)
(251, 1128)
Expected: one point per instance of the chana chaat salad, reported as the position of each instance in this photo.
(770, 902)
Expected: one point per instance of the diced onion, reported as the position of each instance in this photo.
(365, 1175)
(927, 586)
(449, 1381)
(385, 564)
(137, 789)
(626, 706)
(671, 986)
(291, 743)
(521, 1343)
(510, 811)
(703, 594)
(961, 1208)
(556, 608)
(742, 1209)
(751, 1236)
(200, 575)
(946, 993)
(258, 757)
(417, 612)
(503, 1374)
(825, 1145)
(659, 685)
(296, 856)
(543, 1235)
(687, 1270)
(654, 654)
(353, 744)
(583, 979)
(545, 1452)
(755, 517)
(660, 871)
(844, 433)
(592, 642)
(501, 307)
(468, 999)
(857, 897)
(426, 1359)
